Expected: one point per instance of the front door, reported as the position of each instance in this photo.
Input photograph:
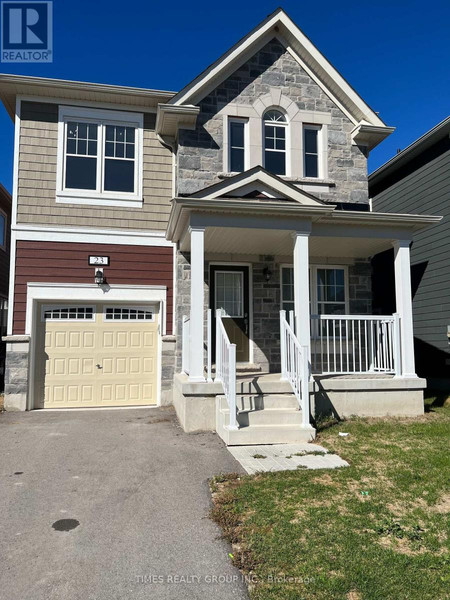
(229, 290)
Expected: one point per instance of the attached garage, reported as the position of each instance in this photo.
(96, 355)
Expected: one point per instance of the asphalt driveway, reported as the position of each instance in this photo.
(105, 505)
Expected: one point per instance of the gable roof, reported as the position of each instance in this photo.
(279, 25)
(257, 179)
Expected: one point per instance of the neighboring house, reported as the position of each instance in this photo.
(5, 231)
(417, 180)
(245, 193)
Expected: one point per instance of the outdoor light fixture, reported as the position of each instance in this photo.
(267, 273)
(99, 277)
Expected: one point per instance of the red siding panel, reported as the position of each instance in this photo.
(64, 262)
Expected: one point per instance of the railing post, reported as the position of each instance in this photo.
(185, 351)
(209, 349)
(218, 376)
(397, 346)
(232, 391)
(305, 387)
(283, 345)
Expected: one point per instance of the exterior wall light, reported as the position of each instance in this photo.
(267, 274)
(99, 277)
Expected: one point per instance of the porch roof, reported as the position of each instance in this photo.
(255, 226)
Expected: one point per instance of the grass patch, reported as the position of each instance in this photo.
(258, 455)
(378, 529)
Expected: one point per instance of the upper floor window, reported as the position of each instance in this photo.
(275, 130)
(99, 157)
(2, 230)
(311, 150)
(237, 129)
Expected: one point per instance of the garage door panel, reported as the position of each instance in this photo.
(149, 339)
(60, 339)
(125, 350)
(88, 339)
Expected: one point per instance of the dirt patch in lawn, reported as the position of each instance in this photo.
(443, 505)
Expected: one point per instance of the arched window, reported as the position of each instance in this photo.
(275, 130)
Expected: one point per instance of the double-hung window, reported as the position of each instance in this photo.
(99, 157)
(275, 134)
(237, 134)
(311, 150)
(328, 291)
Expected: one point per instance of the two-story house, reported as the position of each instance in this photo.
(209, 248)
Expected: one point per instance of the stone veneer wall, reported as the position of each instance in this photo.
(266, 304)
(200, 157)
(16, 372)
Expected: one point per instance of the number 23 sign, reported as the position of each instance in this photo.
(101, 261)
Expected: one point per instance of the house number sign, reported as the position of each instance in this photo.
(99, 261)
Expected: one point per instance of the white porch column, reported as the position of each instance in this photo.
(197, 304)
(403, 297)
(301, 287)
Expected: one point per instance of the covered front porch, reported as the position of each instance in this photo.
(282, 286)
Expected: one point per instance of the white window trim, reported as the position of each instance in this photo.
(321, 155)
(147, 307)
(227, 143)
(5, 232)
(287, 151)
(91, 197)
(313, 285)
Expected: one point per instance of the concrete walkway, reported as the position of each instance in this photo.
(285, 457)
(108, 505)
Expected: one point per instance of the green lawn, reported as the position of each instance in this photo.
(378, 530)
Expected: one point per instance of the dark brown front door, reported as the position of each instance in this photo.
(229, 290)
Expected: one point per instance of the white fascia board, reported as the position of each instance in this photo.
(280, 26)
(406, 221)
(267, 180)
(182, 208)
(90, 236)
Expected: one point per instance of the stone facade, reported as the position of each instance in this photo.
(200, 152)
(16, 372)
(266, 303)
(167, 368)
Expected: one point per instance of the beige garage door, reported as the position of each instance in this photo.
(97, 355)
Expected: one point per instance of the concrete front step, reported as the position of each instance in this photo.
(267, 434)
(247, 402)
(263, 419)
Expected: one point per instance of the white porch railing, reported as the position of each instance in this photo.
(186, 347)
(226, 367)
(295, 366)
(345, 344)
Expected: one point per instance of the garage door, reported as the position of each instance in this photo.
(97, 355)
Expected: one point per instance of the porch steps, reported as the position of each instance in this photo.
(262, 419)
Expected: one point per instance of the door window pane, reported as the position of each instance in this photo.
(229, 293)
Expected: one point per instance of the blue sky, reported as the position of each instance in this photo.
(395, 53)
